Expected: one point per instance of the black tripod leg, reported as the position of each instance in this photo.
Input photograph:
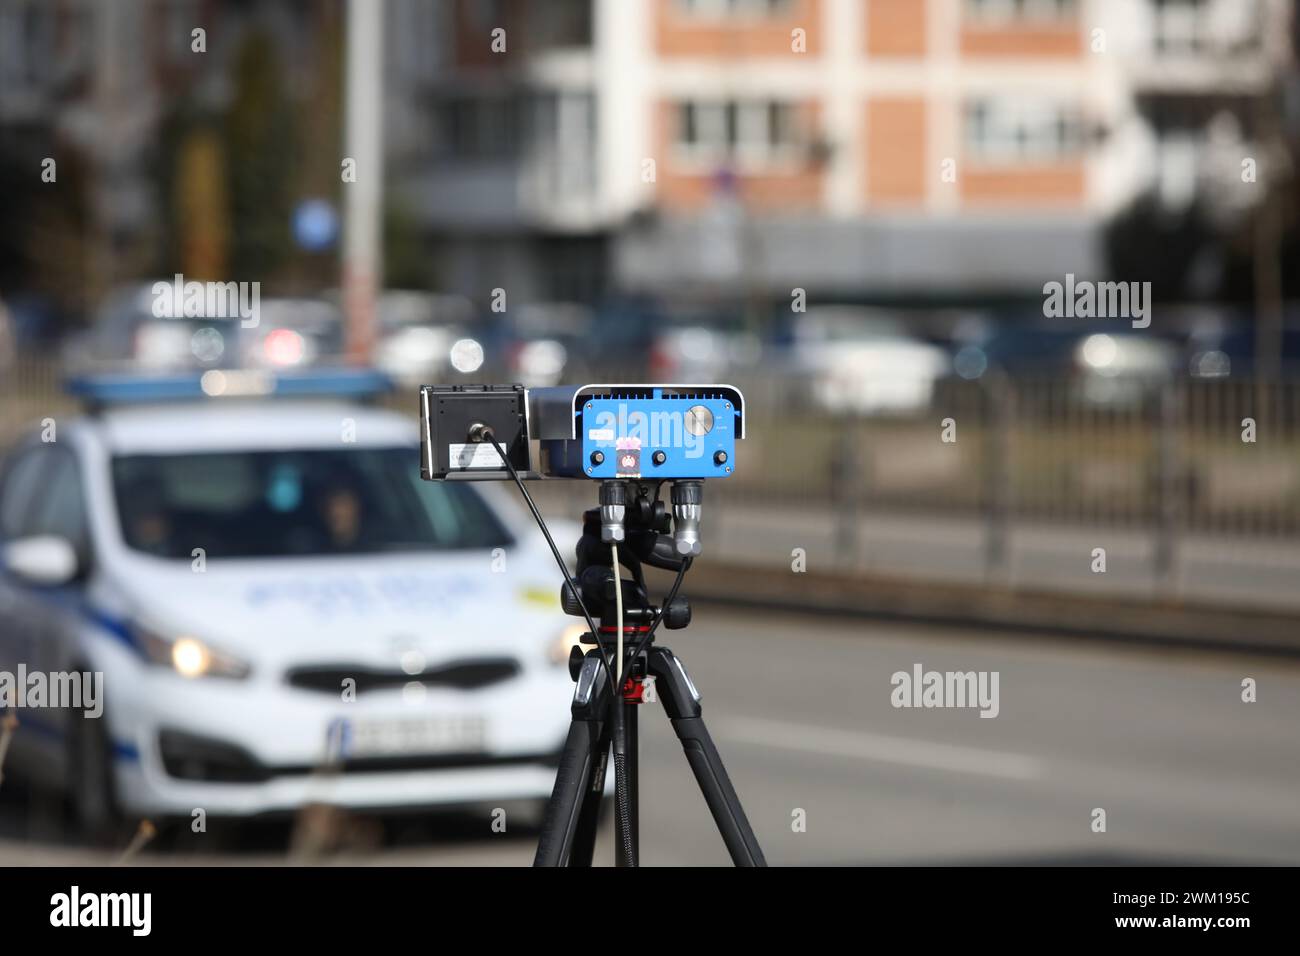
(682, 703)
(584, 836)
(569, 826)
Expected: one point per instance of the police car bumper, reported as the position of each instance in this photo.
(360, 790)
(231, 749)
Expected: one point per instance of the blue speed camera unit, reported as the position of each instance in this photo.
(600, 432)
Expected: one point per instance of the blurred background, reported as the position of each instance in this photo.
(848, 208)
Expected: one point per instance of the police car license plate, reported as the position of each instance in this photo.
(378, 737)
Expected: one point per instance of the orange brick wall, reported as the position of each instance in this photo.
(1030, 40)
(895, 28)
(1055, 185)
(896, 150)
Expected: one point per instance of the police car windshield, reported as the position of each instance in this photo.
(263, 504)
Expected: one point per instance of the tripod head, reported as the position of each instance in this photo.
(633, 517)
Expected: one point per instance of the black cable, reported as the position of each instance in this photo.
(490, 437)
(622, 806)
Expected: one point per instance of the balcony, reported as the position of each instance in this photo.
(517, 160)
(1210, 45)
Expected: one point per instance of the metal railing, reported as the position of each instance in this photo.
(1213, 455)
(1188, 457)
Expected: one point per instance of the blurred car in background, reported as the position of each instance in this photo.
(545, 343)
(293, 333)
(266, 596)
(423, 336)
(1230, 352)
(282, 333)
(1105, 365)
(846, 359)
(701, 345)
(124, 331)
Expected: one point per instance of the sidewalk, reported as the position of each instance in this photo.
(1261, 573)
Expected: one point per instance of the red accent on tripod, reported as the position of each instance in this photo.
(633, 689)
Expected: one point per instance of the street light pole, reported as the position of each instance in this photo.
(363, 173)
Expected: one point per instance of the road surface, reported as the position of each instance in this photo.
(801, 709)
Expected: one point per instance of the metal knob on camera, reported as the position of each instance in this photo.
(687, 497)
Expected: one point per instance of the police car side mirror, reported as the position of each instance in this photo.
(46, 560)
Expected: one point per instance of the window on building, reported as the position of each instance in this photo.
(560, 24)
(1179, 25)
(1013, 130)
(560, 136)
(476, 127)
(1005, 11)
(422, 38)
(1185, 27)
(27, 46)
(734, 8)
(752, 133)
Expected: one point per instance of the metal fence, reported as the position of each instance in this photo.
(1218, 456)
(1215, 455)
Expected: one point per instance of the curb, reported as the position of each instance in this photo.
(1175, 623)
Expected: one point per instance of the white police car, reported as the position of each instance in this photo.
(269, 589)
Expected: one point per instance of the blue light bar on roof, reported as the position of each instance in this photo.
(125, 389)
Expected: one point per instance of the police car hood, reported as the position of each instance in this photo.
(367, 609)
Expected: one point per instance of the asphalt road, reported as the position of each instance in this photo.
(801, 710)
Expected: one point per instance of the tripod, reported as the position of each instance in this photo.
(605, 715)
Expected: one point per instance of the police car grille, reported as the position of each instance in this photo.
(465, 674)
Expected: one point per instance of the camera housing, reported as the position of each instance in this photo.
(598, 431)
(448, 414)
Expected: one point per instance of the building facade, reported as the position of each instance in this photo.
(577, 149)
(854, 148)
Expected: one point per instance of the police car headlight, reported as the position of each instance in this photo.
(190, 657)
(563, 645)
